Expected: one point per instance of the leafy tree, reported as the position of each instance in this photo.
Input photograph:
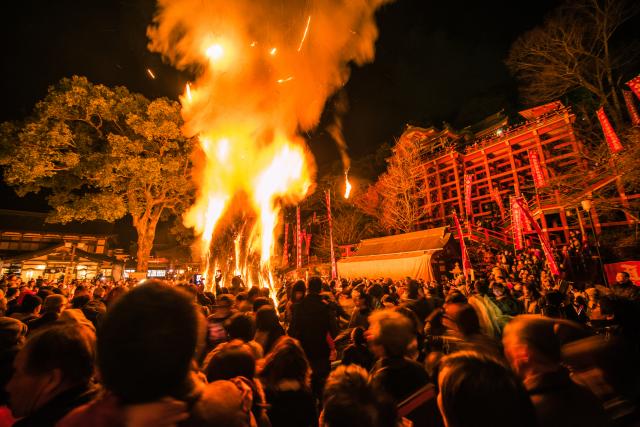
(394, 198)
(102, 153)
(575, 49)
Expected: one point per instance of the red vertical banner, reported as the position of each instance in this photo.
(546, 246)
(466, 263)
(298, 240)
(615, 146)
(631, 107)
(334, 266)
(634, 84)
(536, 169)
(285, 250)
(468, 181)
(495, 193)
(516, 225)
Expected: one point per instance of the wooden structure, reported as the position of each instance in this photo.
(420, 255)
(32, 248)
(498, 160)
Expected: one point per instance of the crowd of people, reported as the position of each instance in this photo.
(514, 347)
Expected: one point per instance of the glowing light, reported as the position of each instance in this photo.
(253, 44)
(223, 149)
(215, 52)
(273, 51)
(153, 76)
(288, 79)
(188, 91)
(347, 185)
(304, 36)
(499, 132)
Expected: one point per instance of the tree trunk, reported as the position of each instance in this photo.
(145, 244)
(146, 230)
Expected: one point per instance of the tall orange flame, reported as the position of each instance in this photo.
(257, 88)
(347, 185)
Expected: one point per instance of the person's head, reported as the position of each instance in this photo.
(481, 287)
(623, 277)
(350, 400)
(223, 403)
(225, 301)
(236, 282)
(260, 302)
(455, 297)
(31, 304)
(55, 304)
(12, 333)
(531, 345)
(267, 319)
(147, 342)
(390, 333)
(286, 361)
(477, 390)
(461, 318)
(413, 289)
(362, 300)
(52, 361)
(530, 291)
(499, 290)
(314, 285)
(80, 301)
(99, 292)
(230, 360)
(298, 290)
(357, 336)
(253, 293)
(81, 290)
(240, 326)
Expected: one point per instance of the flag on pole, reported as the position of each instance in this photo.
(631, 107)
(516, 225)
(466, 263)
(285, 250)
(298, 240)
(615, 146)
(334, 266)
(546, 246)
(536, 169)
(468, 180)
(634, 84)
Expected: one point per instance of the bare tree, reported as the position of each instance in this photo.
(397, 190)
(575, 49)
(603, 175)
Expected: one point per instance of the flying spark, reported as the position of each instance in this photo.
(288, 79)
(304, 36)
(189, 92)
(273, 51)
(153, 76)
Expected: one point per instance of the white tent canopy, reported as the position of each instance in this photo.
(396, 257)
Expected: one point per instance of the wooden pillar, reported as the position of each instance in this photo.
(565, 224)
(439, 185)
(514, 173)
(457, 178)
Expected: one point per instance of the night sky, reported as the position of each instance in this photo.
(435, 62)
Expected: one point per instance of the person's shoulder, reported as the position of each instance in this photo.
(104, 411)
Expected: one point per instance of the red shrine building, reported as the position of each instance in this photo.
(494, 162)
